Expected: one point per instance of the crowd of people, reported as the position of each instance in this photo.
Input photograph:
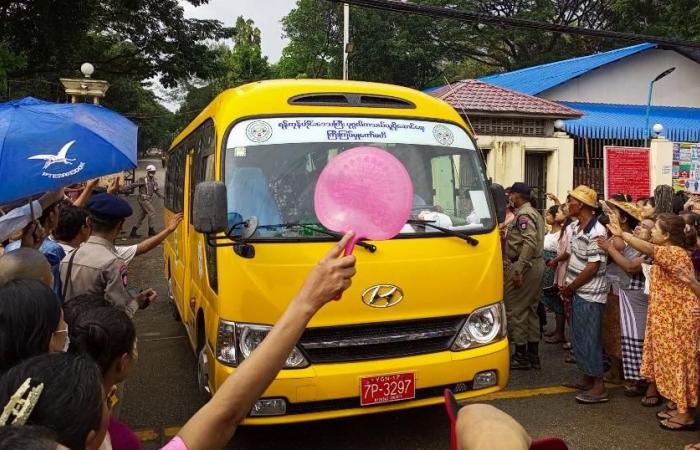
(67, 338)
(620, 278)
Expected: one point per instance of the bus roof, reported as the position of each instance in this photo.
(272, 97)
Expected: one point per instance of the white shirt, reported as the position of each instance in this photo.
(19, 218)
(584, 249)
(551, 241)
(125, 252)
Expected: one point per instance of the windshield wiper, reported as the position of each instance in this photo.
(315, 227)
(428, 223)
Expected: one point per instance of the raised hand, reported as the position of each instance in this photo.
(330, 277)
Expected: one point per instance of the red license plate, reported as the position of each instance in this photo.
(387, 388)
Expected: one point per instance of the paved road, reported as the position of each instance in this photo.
(162, 393)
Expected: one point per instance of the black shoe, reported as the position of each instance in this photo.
(520, 362)
(151, 232)
(134, 233)
(534, 361)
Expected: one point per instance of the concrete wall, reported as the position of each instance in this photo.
(505, 162)
(661, 162)
(627, 82)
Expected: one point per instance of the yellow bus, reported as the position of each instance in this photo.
(425, 310)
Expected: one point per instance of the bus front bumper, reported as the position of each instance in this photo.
(325, 391)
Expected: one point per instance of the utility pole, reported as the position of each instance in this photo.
(346, 38)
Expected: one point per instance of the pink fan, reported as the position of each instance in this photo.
(366, 190)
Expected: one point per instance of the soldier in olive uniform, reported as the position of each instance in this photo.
(523, 278)
(95, 267)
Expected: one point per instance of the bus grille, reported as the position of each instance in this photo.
(378, 341)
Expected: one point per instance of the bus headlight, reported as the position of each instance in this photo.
(483, 326)
(237, 341)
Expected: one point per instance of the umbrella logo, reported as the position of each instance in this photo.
(59, 157)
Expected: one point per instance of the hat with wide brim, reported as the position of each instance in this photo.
(585, 195)
(626, 207)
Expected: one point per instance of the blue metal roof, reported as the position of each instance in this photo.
(534, 80)
(601, 120)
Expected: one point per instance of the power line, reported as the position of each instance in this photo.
(449, 13)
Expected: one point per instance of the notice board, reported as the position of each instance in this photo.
(686, 167)
(627, 171)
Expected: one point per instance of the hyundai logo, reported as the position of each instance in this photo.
(382, 296)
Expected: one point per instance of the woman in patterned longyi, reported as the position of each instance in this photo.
(670, 358)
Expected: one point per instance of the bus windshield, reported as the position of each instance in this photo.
(272, 165)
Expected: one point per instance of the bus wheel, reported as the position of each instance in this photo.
(203, 371)
(171, 300)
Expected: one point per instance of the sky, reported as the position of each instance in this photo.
(265, 13)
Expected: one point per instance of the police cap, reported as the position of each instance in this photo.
(109, 206)
(520, 188)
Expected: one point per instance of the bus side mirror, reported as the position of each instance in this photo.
(498, 194)
(210, 206)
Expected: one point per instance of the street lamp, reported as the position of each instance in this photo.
(658, 128)
(86, 87)
(651, 88)
(346, 39)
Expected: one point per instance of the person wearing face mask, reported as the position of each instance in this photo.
(31, 322)
(64, 392)
(108, 336)
(670, 361)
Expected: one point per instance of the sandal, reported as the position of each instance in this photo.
(587, 398)
(677, 426)
(665, 414)
(635, 391)
(651, 401)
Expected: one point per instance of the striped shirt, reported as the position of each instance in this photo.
(584, 249)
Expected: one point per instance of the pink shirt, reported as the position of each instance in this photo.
(175, 444)
(562, 246)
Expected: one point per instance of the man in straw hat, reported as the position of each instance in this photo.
(523, 278)
(587, 285)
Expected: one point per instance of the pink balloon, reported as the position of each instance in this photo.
(366, 190)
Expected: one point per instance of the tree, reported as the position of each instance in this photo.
(314, 30)
(138, 38)
(417, 51)
(244, 63)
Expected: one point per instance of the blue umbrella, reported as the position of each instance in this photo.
(44, 146)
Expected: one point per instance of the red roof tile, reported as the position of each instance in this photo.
(476, 96)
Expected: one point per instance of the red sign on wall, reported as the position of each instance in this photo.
(627, 171)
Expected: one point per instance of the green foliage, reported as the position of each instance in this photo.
(128, 41)
(417, 51)
(243, 63)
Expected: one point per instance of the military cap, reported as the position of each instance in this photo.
(109, 206)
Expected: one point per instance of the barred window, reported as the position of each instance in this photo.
(501, 126)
